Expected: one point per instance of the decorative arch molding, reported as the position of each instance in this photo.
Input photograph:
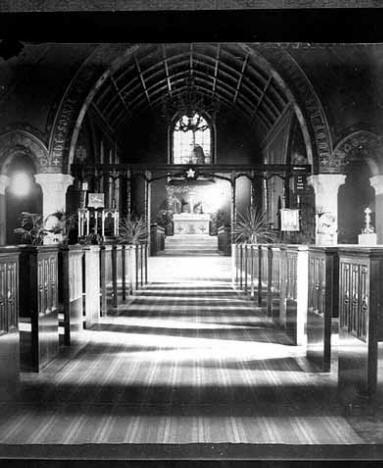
(313, 113)
(21, 141)
(70, 113)
(356, 146)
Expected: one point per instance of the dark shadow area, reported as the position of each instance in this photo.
(254, 334)
(139, 400)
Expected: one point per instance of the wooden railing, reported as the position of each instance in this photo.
(157, 239)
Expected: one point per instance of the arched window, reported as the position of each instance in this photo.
(191, 140)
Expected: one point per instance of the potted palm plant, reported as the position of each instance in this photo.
(252, 228)
(32, 228)
(133, 231)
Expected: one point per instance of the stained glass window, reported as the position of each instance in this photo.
(191, 140)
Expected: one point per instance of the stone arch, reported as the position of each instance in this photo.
(22, 141)
(309, 110)
(359, 145)
(79, 93)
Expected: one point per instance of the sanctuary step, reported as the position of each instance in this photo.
(191, 244)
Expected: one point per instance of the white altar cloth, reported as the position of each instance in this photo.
(191, 223)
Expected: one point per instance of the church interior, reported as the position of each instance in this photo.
(191, 238)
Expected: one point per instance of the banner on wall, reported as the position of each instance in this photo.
(96, 200)
(289, 219)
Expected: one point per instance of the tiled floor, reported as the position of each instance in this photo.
(190, 360)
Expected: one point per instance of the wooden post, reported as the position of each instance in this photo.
(252, 191)
(233, 206)
(128, 193)
(148, 187)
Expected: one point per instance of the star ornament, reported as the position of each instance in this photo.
(190, 174)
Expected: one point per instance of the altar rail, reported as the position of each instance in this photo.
(304, 289)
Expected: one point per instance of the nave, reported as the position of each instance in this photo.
(190, 361)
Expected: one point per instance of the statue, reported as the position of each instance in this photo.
(368, 228)
(368, 235)
(198, 155)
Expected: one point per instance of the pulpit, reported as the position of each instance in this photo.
(191, 223)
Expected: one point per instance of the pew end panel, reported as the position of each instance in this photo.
(9, 323)
(322, 304)
(360, 321)
(39, 340)
(70, 272)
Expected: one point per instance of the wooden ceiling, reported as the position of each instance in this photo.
(225, 73)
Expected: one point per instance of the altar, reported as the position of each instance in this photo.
(191, 223)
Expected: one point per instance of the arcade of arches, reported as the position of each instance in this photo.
(183, 141)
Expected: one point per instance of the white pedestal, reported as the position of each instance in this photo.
(190, 223)
(368, 239)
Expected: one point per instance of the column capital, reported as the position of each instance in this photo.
(55, 182)
(54, 188)
(377, 183)
(326, 182)
(4, 182)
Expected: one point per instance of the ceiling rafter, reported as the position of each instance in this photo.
(140, 74)
(102, 117)
(216, 68)
(166, 70)
(238, 87)
(262, 96)
(279, 119)
(120, 95)
(219, 71)
(191, 59)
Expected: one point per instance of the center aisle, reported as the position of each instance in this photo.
(190, 360)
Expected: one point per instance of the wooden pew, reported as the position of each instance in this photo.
(264, 283)
(106, 278)
(295, 292)
(360, 321)
(117, 275)
(323, 293)
(9, 322)
(93, 282)
(39, 335)
(275, 282)
(70, 281)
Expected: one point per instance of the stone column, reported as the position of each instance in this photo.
(54, 188)
(377, 184)
(326, 187)
(4, 182)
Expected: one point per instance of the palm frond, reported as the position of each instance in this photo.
(133, 230)
(252, 227)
